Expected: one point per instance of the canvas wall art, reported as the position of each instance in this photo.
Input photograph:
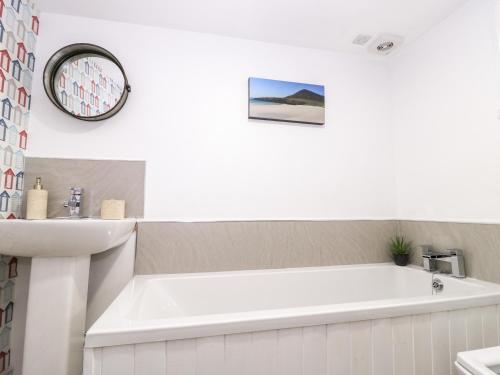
(286, 101)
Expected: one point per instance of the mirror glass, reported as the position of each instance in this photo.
(88, 85)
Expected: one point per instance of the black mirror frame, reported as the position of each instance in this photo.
(68, 52)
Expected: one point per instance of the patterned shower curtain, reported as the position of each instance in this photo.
(19, 25)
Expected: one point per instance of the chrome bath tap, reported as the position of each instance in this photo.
(74, 202)
(455, 257)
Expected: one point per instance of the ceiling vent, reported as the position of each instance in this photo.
(385, 44)
(361, 39)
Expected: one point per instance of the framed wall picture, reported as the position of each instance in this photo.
(274, 100)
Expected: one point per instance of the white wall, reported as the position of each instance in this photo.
(436, 102)
(187, 116)
(446, 106)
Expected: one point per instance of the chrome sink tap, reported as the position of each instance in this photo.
(74, 202)
(455, 257)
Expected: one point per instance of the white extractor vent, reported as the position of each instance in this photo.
(385, 44)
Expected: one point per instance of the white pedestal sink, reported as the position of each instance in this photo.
(57, 299)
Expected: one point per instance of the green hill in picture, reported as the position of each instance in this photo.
(301, 97)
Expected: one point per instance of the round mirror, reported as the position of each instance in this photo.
(86, 82)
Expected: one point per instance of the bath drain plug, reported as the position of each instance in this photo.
(437, 285)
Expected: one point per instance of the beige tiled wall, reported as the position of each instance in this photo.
(480, 242)
(168, 247)
(101, 179)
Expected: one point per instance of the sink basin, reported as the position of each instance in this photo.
(62, 237)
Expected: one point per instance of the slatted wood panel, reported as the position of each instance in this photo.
(411, 345)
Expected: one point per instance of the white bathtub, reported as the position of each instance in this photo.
(364, 319)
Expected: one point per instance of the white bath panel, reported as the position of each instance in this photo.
(290, 351)
(441, 359)
(150, 359)
(361, 348)
(474, 328)
(339, 349)
(210, 355)
(118, 360)
(458, 334)
(181, 357)
(92, 361)
(422, 337)
(314, 350)
(424, 344)
(490, 326)
(238, 354)
(403, 345)
(383, 358)
(264, 352)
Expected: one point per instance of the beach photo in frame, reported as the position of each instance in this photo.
(286, 101)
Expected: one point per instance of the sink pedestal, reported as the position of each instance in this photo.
(55, 323)
(57, 297)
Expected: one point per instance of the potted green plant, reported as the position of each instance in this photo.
(400, 248)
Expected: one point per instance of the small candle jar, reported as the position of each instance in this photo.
(113, 209)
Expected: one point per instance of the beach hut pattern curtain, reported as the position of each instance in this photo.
(19, 25)
(85, 89)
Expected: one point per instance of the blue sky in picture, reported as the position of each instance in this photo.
(260, 87)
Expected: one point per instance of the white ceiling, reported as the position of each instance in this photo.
(325, 24)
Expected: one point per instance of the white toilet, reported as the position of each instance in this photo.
(479, 362)
(462, 370)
